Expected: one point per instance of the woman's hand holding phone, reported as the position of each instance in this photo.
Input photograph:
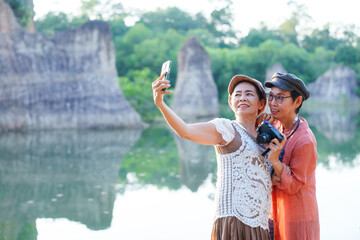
(159, 87)
(165, 68)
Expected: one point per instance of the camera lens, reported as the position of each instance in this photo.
(263, 138)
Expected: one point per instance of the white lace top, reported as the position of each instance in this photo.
(243, 187)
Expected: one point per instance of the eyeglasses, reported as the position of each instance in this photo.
(278, 98)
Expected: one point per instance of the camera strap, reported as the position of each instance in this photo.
(283, 150)
(297, 126)
(265, 152)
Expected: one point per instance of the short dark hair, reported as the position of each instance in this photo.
(294, 95)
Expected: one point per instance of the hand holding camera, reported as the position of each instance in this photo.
(268, 134)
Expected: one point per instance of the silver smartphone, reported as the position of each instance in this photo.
(166, 67)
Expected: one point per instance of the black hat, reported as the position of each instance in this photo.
(288, 82)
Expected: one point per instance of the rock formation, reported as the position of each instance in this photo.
(338, 82)
(277, 67)
(65, 81)
(8, 21)
(195, 93)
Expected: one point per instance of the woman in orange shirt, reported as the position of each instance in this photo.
(295, 206)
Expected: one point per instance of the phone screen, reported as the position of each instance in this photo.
(166, 68)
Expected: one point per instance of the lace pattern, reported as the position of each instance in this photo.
(243, 183)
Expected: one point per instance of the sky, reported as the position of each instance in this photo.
(247, 14)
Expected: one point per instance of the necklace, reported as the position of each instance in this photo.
(283, 150)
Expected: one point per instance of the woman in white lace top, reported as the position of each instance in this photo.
(243, 185)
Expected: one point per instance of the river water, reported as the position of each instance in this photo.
(149, 184)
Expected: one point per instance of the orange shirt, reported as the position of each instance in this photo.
(295, 206)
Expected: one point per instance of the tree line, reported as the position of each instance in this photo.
(158, 35)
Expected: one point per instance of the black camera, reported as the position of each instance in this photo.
(267, 132)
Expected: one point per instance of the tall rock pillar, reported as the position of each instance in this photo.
(195, 95)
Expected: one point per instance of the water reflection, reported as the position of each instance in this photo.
(337, 132)
(337, 125)
(72, 174)
(196, 162)
(59, 174)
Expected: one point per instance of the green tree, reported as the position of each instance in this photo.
(137, 34)
(53, 22)
(350, 56)
(23, 10)
(222, 69)
(162, 20)
(220, 26)
(295, 60)
(350, 36)
(257, 36)
(28, 231)
(153, 52)
(320, 60)
(96, 9)
(347, 55)
(268, 51)
(321, 38)
(288, 29)
(228, 62)
(125, 45)
(88, 7)
(205, 38)
(133, 86)
(118, 26)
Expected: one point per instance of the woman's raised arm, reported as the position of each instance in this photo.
(203, 133)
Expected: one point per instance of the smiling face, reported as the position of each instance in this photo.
(244, 100)
(285, 111)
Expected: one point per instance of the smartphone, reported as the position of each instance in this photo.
(166, 67)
